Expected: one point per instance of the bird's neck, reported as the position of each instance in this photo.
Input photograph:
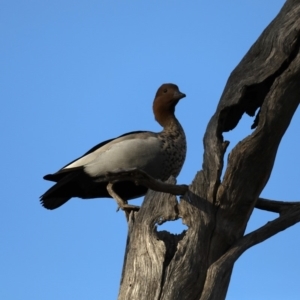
(165, 117)
(171, 124)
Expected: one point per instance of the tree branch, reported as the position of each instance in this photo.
(280, 207)
(267, 78)
(219, 270)
(140, 177)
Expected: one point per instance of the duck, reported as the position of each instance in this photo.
(160, 155)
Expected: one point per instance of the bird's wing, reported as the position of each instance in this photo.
(143, 152)
(104, 143)
(62, 172)
(135, 149)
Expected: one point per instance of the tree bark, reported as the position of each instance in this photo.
(197, 264)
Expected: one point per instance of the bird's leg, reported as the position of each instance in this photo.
(121, 203)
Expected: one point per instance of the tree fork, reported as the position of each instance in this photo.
(197, 264)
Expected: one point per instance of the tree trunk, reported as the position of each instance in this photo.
(197, 264)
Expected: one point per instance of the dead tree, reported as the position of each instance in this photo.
(197, 264)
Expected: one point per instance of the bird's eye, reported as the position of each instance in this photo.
(165, 90)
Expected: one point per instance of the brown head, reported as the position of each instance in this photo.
(166, 98)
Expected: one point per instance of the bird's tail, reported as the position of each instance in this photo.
(59, 193)
(53, 202)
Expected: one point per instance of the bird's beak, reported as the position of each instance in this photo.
(178, 95)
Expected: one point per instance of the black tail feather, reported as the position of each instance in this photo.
(60, 192)
(52, 203)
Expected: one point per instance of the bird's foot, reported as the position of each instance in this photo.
(122, 204)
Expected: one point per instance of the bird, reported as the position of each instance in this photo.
(160, 155)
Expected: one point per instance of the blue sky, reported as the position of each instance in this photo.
(74, 73)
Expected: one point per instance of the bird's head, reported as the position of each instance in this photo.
(166, 98)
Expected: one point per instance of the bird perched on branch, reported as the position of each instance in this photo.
(158, 154)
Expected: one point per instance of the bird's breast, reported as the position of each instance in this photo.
(174, 148)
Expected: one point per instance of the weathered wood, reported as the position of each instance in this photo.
(250, 163)
(219, 271)
(198, 263)
(154, 261)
